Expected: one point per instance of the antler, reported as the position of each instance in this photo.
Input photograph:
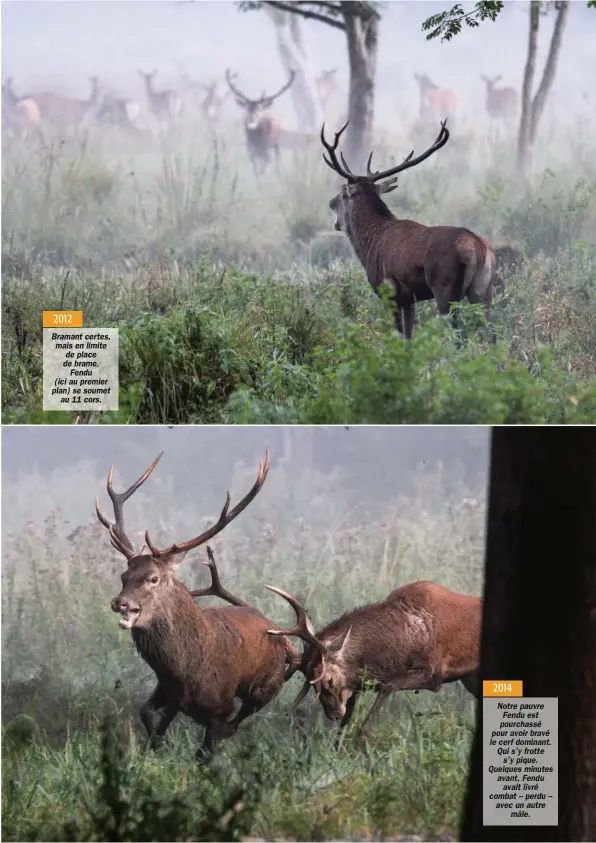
(273, 97)
(304, 629)
(216, 589)
(234, 89)
(408, 162)
(332, 160)
(118, 536)
(223, 520)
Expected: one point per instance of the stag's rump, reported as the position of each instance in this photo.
(459, 264)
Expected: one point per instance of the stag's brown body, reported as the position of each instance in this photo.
(447, 263)
(420, 637)
(203, 659)
(262, 130)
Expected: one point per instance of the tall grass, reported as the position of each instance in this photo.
(231, 294)
(74, 759)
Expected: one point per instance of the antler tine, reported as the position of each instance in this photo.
(284, 88)
(408, 162)
(223, 520)
(331, 149)
(303, 629)
(233, 88)
(216, 589)
(123, 543)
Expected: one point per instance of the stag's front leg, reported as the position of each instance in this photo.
(156, 716)
(364, 730)
(345, 720)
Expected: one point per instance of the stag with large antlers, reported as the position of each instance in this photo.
(203, 659)
(422, 262)
(420, 637)
(262, 130)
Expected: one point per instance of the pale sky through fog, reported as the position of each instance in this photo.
(60, 44)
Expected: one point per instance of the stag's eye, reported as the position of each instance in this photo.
(154, 579)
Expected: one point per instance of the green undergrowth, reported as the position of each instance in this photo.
(237, 303)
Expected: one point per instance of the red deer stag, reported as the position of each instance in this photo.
(164, 105)
(435, 103)
(262, 130)
(420, 637)
(203, 659)
(501, 103)
(443, 262)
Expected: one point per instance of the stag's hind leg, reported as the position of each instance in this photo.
(157, 714)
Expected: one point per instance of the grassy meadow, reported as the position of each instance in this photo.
(74, 765)
(237, 302)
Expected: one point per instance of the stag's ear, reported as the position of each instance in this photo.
(340, 642)
(173, 560)
(388, 186)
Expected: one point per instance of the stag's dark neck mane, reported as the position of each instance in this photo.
(172, 635)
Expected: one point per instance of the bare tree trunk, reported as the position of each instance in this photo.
(523, 139)
(363, 39)
(532, 109)
(539, 622)
(550, 69)
(294, 56)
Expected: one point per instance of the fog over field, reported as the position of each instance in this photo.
(59, 44)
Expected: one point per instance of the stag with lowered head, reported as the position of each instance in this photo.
(420, 637)
(262, 130)
(422, 262)
(203, 659)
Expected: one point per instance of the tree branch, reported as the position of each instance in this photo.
(296, 8)
(548, 74)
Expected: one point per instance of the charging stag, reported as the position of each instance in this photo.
(203, 659)
(420, 637)
(422, 262)
(262, 130)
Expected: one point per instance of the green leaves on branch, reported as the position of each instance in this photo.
(448, 24)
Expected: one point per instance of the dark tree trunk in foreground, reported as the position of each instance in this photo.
(540, 610)
(532, 109)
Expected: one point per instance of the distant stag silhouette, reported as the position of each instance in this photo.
(203, 659)
(420, 637)
(262, 130)
(443, 262)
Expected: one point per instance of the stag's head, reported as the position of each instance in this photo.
(367, 188)
(148, 580)
(255, 109)
(324, 662)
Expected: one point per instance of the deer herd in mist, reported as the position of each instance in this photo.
(420, 637)
(447, 263)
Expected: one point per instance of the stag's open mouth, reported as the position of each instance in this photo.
(129, 617)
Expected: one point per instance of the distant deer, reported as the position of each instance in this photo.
(327, 87)
(420, 637)
(120, 112)
(19, 114)
(435, 103)
(214, 101)
(203, 659)
(501, 103)
(262, 130)
(164, 105)
(443, 262)
(65, 112)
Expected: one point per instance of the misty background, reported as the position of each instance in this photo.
(58, 45)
